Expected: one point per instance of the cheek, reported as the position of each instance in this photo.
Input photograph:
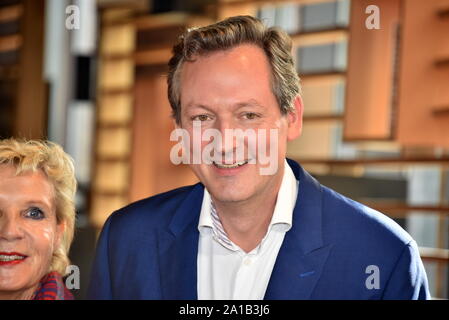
(275, 138)
(198, 170)
(43, 242)
(281, 139)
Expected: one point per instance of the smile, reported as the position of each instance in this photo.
(11, 258)
(230, 166)
(7, 258)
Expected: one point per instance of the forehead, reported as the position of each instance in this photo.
(230, 76)
(26, 184)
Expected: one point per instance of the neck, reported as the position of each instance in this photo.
(246, 222)
(24, 294)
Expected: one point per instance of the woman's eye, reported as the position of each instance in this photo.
(35, 213)
(201, 117)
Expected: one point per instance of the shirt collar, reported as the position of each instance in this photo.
(283, 211)
(286, 200)
(205, 215)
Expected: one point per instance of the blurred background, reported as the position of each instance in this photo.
(91, 76)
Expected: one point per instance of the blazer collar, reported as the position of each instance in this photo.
(188, 211)
(307, 213)
(302, 256)
(178, 249)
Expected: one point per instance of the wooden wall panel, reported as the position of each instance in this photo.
(424, 78)
(115, 109)
(369, 91)
(152, 170)
(117, 39)
(103, 206)
(115, 81)
(31, 112)
(316, 141)
(226, 10)
(320, 95)
(112, 177)
(113, 142)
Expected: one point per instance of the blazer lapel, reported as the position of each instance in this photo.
(295, 275)
(178, 249)
(302, 256)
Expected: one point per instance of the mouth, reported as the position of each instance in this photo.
(11, 258)
(230, 166)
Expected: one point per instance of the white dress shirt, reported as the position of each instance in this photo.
(225, 271)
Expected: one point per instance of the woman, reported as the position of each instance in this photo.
(37, 217)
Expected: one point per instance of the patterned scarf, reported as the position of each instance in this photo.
(52, 288)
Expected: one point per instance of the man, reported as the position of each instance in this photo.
(241, 234)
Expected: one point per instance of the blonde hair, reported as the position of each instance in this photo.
(33, 155)
(228, 34)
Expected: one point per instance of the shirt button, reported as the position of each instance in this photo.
(247, 261)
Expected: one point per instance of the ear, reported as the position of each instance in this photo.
(295, 119)
(176, 124)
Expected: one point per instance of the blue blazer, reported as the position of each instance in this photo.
(336, 249)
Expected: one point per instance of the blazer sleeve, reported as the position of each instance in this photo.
(408, 280)
(100, 280)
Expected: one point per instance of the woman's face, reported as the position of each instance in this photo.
(29, 233)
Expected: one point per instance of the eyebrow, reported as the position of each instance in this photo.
(38, 203)
(250, 103)
(238, 105)
(199, 105)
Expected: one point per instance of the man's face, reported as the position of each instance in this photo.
(232, 90)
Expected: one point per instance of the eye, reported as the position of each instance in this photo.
(251, 116)
(35, 213)
(200, 117)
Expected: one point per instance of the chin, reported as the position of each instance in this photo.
(230, 194)
(13, 284)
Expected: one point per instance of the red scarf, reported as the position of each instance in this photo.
(52, 287)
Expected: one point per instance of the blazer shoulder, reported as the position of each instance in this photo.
(343, 216)
(153, 211)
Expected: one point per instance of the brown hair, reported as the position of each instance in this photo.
(228, 34)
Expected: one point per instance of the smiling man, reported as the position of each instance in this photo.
(242, 234)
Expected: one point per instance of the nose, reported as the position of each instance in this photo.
(10, 228)
(228, 143)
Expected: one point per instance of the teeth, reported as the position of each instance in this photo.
(230, 166)
(10, 258)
